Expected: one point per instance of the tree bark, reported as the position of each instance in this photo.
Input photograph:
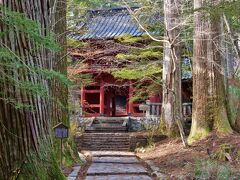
(58, 90)
(209, 102)
(172, 99)
(237, 120)
(24, 130)
(233, 51)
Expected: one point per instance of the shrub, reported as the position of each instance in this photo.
(42, 165)
(209, 169)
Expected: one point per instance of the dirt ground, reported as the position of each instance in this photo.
(178, 162)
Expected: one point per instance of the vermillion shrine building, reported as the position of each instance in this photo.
(108, 96)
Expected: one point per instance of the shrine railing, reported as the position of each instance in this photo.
(187, 110)
(154, 109)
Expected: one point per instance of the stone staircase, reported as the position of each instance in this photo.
(106, 134)
(106, 142)
(107, 125)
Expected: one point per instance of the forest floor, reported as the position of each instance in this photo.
(207, 158)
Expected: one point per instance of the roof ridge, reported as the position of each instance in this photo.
(109, 11)
(108, 23)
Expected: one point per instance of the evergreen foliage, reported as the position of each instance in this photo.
(20, 23)
(229, 8)
(144, 68)
(139, 73)
(11, 61)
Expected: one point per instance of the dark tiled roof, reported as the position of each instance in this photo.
(106, 24)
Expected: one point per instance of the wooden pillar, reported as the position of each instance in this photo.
(102, 98)
(83, 99)
(130, 95)
(108, 104)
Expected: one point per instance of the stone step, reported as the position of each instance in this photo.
(109, 148)
(104, 130)
(110, 139)
(106, 134)
(106, 145)
(105, 149)
(106, 138)
(108, 122)
(107, 127)
(112, 168)
(122, 160)
(106, 141)
(112, 154)
(119, 177)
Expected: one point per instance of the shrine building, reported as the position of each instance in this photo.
(107, 96)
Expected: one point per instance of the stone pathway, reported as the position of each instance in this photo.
(114, 165)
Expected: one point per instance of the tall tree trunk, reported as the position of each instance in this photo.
(58, 89)
(24, 130)
(172, 100)
(209, 102)
(233, 56)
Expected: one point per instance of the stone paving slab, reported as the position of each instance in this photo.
(123, 160)
(112, 168)
(119, 177)
(112, 153)
(74, 173)
(71, 178)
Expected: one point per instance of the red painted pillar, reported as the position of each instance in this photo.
(130, 95)
(102, 98)
(83, 99)
(108, 105)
